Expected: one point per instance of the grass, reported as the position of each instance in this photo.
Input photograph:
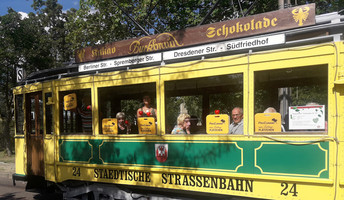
(6, 159)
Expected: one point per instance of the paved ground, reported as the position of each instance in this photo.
(6, 170)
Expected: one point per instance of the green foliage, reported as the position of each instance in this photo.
(99, 22)
(225, 102)
(33, 43)
(309, 94)
(51, 20)
(103, 21)
(193, 105)
(325, 6)
(129, 107)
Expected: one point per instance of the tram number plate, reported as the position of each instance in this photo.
(288, 189)
(76, 171)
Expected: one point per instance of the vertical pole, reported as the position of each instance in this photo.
(280, 4)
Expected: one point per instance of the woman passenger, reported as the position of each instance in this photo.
(147, 110)
(123, 125)
(183, 126)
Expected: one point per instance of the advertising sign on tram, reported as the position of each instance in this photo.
(146, 125)
(109, 126)
(307, 117)
(217, 124)
(267, 122)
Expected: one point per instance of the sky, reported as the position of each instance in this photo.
(25, 5)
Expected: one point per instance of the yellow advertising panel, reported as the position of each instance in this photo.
(217, 124)
(267, 122)
(146, 125)
(109, 126)
(70, 101)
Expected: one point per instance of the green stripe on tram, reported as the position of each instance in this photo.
(249, 157)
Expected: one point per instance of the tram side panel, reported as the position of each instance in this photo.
(261, 169)
(20, 155)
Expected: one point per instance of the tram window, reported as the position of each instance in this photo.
(78, 118)
(200, 97)
(49, 113)
(34, 109)
(127, 99)
(19, 114)
(298, 94)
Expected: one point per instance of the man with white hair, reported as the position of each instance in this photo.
(237, 126)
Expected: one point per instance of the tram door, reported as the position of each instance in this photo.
(34, 127)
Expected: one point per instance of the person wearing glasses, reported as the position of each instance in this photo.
(237, 126)
(183, 126)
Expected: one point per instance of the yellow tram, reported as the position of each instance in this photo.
(67, 132)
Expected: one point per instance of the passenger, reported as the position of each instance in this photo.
(312, 104)
(237, 126)
(273, 110)
(183, 125)
(123, 125)
(270, 110)
(147, 110)
(85, 112)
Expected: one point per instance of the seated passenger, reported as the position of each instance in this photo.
(237, 126)
(273, 110)
(85, 112)
(183, 125)
(147, 110)
(123, 125)
(270, 110)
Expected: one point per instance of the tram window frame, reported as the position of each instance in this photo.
(127, 96)
(73, 124)
(209, 88)
(277, 84)
(19, 114)
(34, 103)
(49, 114)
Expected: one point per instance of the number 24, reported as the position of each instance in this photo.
(285, 189)
(76, 171)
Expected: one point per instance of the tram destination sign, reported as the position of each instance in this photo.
(285, 19)
(121, 62)
(225, 47)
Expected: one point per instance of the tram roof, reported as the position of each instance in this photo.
(327, 28)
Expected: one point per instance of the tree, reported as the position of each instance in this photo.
(10, 56)
(33, 43)
(104, 21)
(49, 15)
(99, 22)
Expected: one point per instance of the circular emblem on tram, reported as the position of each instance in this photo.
(161, 152)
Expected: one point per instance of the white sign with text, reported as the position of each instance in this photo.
(121, 62)
(307, 117)
(225, 46)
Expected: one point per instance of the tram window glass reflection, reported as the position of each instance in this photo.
(49, 114)
(76, 120)
(19, 113)
(298, 94)
(200, 97)
(126, 99)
